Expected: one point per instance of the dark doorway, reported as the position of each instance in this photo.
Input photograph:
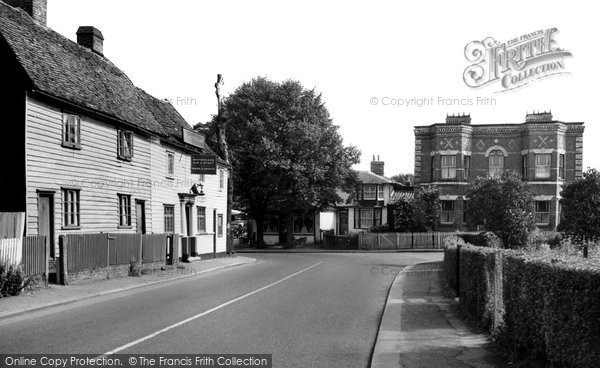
(343, 223)
(46, 219)
(140, 213)
(188, 219)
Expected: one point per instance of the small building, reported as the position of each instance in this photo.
(90, 152)
(547, 152)
(369, 205)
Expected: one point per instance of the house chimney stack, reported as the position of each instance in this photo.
(91, 37)
(377, 166)
(37, 9)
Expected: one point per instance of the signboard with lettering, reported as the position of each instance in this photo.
(193, 138)
(205, 164)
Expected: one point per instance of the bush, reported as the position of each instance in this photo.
(380, 229)
(483, 239)
(12, 279)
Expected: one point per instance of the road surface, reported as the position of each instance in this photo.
(308, 310)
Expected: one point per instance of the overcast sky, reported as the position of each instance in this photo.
(352, 52)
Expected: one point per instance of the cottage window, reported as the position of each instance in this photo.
(170, 164)
(71, 209)
(448, 167)
(124, 210)
(542, 166)
(169, 212)
(219, 225)
(71, 131)
(496, 163)
(201, 219)
(447, 214)
(369, 191)
(366, 218)
(304, 223)
(561, 166)
(380, 191)
(221, 180)
(125, 145)
(271, 224)
(542, 212)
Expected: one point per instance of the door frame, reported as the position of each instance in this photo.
(143, 204)
(339, 222)
(50, 194)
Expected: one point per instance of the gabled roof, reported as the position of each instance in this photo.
(60, 68)
(367, 177)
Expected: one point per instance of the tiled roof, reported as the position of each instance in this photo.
(398, 195)
(61, 68)
(367, 177)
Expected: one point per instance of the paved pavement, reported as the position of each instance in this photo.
(421, 328)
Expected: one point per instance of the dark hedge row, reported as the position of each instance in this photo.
(546, 309)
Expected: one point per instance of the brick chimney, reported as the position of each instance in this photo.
(458, 119)
(91, 37)
(37, 9)
(377, 166)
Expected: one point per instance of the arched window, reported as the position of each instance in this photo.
(496, 163)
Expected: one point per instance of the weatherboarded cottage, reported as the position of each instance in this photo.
(90, 152)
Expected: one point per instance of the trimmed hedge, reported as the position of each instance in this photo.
(546, 309)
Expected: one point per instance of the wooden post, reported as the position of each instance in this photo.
(62, 273)
(140, 251)
(108, 239)
(46, 259)
(458, 245)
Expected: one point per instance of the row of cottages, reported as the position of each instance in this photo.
(370, 205)
(548, 153)
(87, 150)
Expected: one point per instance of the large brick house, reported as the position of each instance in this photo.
(547, 153)
(89, 151)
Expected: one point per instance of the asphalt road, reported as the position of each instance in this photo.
(308, 310)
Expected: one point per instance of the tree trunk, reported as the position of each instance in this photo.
(260, 241)
(289, 225)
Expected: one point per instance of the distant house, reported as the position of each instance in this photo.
(90, 152)
(369, 206)
(546, 152)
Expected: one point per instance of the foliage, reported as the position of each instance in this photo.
(581, 207)
(407, 179)
(418, 214)
(405, 217)
(380, 229)
(12, 279)
(504, 206)
(483, 239)
(285, 151)
(547, 304)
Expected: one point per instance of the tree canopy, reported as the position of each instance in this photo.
(581, 207)
(504, 206)
(285, 150)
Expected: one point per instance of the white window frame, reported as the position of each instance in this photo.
(495, 170)
(170, 164)
(380, 191)
(221, 180)
(125, 210)
(447, 215)
(201, 219)
(372, 192)
(448, 164)
(543, 169)
(220, 225)
(71, 131)
(125, 144)
(71, 208)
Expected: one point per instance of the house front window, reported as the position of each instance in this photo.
(467, 165)
(169, 214)
(524, 166)
(447, 214)
(201, 219)
(71, 131)
(369, 191)
(542, 166)
(220, 225)
(125, 145)
(170, 164)
(271, 224)
(542, 212)
(221, 180)
(71, 208)
(448, 167)
(304, 223)
(496, 163)
(124, 210)
(380, 191)
(366, 218)
(561, 166)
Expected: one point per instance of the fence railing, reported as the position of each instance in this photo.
(92, 251)
(430, 240)
(35, 255)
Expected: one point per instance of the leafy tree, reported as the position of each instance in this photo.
(404, 178)
(581, 208)
(285, 151)
(405, 217)
(427, 206)
(504, 206)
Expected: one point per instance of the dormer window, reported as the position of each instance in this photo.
(125, 145)
(369, 191)
(71, 131)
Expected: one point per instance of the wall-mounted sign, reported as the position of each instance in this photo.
(193, 138)
(205, 163)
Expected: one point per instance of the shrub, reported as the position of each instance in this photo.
(12, 279)
(483, 239)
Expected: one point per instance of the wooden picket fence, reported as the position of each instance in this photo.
(430, 240)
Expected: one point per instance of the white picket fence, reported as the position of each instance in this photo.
(12, 226)
(431, 240)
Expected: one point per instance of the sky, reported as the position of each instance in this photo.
(364, 57)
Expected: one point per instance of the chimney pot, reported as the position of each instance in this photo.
(377, 167)
(91, 37)
(37, 9)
